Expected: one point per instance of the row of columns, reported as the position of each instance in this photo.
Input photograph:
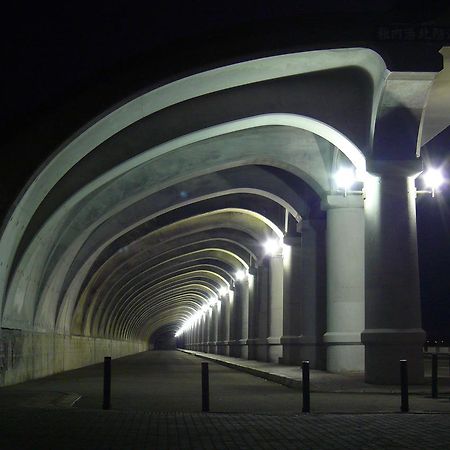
(277, 313)
(344, 296)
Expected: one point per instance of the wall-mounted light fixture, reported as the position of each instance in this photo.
(240, 275)
(223, 291)
(273, 246)
(433, 179)
(346, 178)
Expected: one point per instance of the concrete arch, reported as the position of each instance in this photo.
(78, 230)
(67, 158)
(157, 204)
(120, 184)
(155, 287)
(182, 253)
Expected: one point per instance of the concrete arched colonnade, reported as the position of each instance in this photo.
(133, 225)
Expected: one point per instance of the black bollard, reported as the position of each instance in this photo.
(404, 385)
(434, 375)
(107, 383)
(305, 387)
(205, 387)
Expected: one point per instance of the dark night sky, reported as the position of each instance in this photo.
(52, 53)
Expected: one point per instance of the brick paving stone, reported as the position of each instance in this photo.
(35, 429)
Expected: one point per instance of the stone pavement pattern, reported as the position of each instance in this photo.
(36, 429)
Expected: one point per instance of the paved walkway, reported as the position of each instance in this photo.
(156, 405)
(57, 429)
(326, 382)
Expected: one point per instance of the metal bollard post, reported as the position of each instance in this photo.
(404, 385)
(305, 387)
(107, 383)
(434, 375)
(205, 387)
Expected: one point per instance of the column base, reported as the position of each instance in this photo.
(243, 348)
(222, 348)
(345, 352)
(258, 349)
(384, 348)
(234, 349)
(274, 349)
(303, 348)
(212, 347)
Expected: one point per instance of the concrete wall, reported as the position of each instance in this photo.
(27, 355)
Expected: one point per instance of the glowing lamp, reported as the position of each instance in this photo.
(433, 178)
(345, 178)
(240, 275)
(272, 247)
(223, 291)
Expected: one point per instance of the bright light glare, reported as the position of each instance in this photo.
(223, 291)
(272, 246)
(433, 178)
(240, 275)
(345, 178)
(189, 323)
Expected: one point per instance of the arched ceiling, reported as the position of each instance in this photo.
(136, 221)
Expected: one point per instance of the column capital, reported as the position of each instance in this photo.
(341, 201)
(395, 168)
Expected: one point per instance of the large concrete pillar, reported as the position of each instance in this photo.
(205, 327)
(304, 282)
(345, 283)
(313, 292)
(291, 299)
(197, 334)
(253, 313)
(275, 347)
(235, 321)
(228, 302)
(191, 337)
(259, 314)
(244, 300)
(223, 334)
(393, 317)
(212, 332)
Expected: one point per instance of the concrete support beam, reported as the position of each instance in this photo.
(259, 314)
(313, 293)
(275, 349)
(292, 267)
(212, 330)
(197, 335)
(235, 323)
(244, 297)
(345, 283)
(304, 282)
(229, 299)
(253, 312)
(393, 317)
(223, 334)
